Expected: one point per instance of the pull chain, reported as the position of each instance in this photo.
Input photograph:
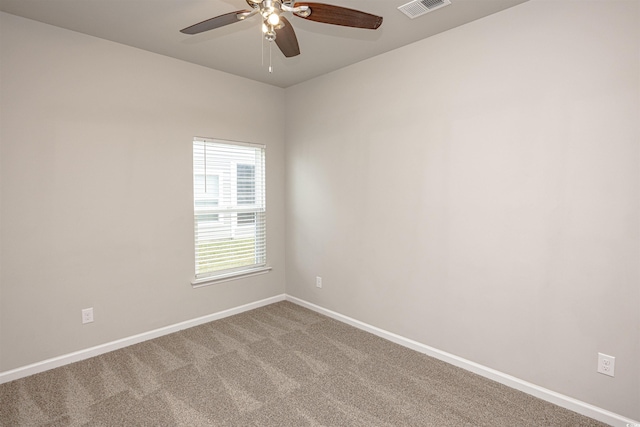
(263, 36)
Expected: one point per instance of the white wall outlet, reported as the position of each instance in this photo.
(87, 315)
(318, 282)
(606, 364)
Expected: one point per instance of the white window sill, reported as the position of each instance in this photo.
(213, 280)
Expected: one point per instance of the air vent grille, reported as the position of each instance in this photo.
(420, 7)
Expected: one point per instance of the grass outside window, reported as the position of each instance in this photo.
(228, 253)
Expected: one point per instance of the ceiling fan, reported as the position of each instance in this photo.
(276, 27)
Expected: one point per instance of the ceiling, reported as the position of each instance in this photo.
(154, 25)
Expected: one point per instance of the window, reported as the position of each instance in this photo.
(229, 209)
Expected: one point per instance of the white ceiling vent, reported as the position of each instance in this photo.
(420, 7)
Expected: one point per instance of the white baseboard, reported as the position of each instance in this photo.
(508, 380)
(561, 400)
(65, 359)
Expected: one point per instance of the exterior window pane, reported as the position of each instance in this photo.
(229, 207)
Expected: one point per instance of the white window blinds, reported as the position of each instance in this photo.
(229, 207)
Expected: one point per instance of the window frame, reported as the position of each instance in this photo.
(259, 209)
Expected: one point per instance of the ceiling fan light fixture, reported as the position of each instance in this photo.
(270, 36)
(269, 31)
(273, 19)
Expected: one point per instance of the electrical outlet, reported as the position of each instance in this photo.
(87, 315)
(606, 364)
(318, 282)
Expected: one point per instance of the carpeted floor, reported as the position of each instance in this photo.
(279, 365)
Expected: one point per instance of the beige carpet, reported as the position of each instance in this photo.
(280, 365)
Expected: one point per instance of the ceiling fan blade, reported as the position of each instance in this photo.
(213, 23)
(286, 39)
(338, 15)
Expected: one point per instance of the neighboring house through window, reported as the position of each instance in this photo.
(207, 196)
(229, 208)
(246, 175)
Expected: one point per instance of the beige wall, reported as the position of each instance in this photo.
(478, 192)
(96, 188)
